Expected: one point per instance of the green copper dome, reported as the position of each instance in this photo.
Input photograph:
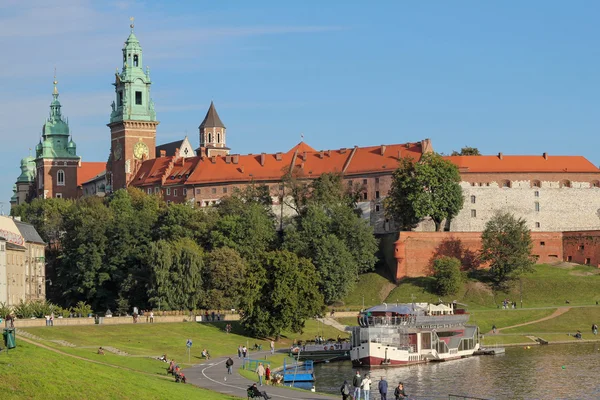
(27, 170)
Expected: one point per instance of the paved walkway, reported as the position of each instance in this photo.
(213, 375)
(333, 323)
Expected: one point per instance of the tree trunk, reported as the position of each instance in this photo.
(438, 225)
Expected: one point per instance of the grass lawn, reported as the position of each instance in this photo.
(578, 318)
(506, 340)
(373, 286)
(503, 318)
(30, 372)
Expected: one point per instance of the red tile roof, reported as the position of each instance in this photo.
(270, 167)
(88, 170)
(507, 164)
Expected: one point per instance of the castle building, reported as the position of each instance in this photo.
(550, 192)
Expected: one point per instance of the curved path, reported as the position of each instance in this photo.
(559, 311)
(213, 376)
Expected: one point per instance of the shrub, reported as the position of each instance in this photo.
(447, 275)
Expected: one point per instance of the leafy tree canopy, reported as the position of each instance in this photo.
(224, 278)
(467, 151)
(428, 188)
(447, 275)
(282, 292)
(506, 246)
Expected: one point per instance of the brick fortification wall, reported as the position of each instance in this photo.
(414, 251)
(582, 247)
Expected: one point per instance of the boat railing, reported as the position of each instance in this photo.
(386, 321)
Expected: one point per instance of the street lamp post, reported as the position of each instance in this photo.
(363, 302)
(521, 291)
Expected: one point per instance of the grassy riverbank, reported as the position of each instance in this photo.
(31, 372)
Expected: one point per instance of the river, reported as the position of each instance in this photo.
(569, 371)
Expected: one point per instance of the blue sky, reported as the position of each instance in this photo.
(504, 76)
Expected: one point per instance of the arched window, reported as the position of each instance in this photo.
(565, 183)
(60, 178)
(135, 60)
(218, 138)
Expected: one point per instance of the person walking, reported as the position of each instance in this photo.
(272, 347)
(260, 370)
(244, 351)
(151, 317)
(229, 365)
(383, 388)
(345, 390)
(356, 381)
(399, 392)
(267, 375)
(366, 387)
(240, 351)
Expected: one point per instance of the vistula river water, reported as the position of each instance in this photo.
(569, 371)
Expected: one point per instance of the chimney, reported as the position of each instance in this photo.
(163, 153)
(343, 150)
(242, 169)
(545, 156)
(500, 156)
(328, 153)
(236, 158)
(382, 149)
(262, 159)
(213, 159)
(176, 152)
(278, 156)
(228, 159)
(321, 154)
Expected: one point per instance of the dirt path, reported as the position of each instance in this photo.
(559, 311)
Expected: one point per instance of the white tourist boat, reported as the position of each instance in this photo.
(413, 333)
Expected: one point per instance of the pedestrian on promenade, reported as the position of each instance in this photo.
(399, 393)
(244, 351)
(366, 387)
(345, 390)
(383, 388)
(52, 319)
(356, 384)
(240, 351)
(272, 347)
(260, 370)
(229, 365)
(151, 316)
(494, 329)
(267, 374)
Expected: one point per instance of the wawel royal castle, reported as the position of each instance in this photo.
(553, 193)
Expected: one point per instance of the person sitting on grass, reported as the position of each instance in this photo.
(171, 369)
(205, 354)
(180, 377)
(101, 351)
(257, 393)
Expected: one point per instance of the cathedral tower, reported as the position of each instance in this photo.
(132, 120)
(212, 135)
(56, 158)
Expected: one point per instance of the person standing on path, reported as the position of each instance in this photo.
(383, 388)
(356, 384)
(229, 365)
(272, 347)
(267, 375)
(260, 370)
(399, 393)
(366, 387)
(151, 317)
(240, 351)
(345, 390)
(244, 351)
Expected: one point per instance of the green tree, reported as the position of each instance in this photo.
(506, 246)
(467, 151)
(176, 269)
(224, 277)
(428, 188)
(447, 275)
(81, 273)
(184, 220)
(281, 293)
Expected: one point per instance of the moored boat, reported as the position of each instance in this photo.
(412, 333)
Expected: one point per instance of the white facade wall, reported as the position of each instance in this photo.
(560, 208)
(3, 274)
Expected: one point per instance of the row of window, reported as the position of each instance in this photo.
(534, 184)
(138, 98)
(364, 181)
(210, 137)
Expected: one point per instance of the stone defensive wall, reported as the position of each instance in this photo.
(415, 251)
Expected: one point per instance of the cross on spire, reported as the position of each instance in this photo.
(55, 82)
(132, 24)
